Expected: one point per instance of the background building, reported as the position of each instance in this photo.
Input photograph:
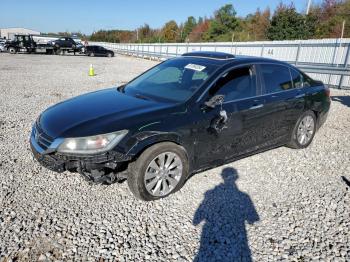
(9, 33)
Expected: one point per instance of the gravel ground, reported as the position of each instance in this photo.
(283, 204)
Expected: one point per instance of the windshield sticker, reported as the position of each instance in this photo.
(195, 67)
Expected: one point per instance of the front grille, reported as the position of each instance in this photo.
(43, 140)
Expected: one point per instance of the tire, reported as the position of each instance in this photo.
(92, 54)
(303, 127)
(12, 50)
(60, 52)
(109, 55)
(137, 172)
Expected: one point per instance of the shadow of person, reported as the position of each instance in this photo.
(224, 211)
(345, 100)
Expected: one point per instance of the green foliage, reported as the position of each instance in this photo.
(223, 24)
(188, 26)
(324, 21)
(329, 16)
(113, 36)
(170, 31)
(287, 23)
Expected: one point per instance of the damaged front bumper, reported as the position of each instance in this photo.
(93, 167)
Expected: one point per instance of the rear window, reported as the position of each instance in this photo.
(277, 78)
(309, 82)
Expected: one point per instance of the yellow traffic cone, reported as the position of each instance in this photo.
(91, 71)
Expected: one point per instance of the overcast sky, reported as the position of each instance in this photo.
(87, 16)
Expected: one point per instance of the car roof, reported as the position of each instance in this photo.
(210, 55)
(222, 58)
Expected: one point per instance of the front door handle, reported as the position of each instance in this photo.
(299, 96)
(256, 106)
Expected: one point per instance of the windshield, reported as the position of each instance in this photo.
(174, 80)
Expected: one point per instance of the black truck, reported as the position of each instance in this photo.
(26, 44)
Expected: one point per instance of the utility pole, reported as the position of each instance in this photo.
(342, 30)
(233, 36)
(308, 7)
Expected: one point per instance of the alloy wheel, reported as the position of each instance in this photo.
(306, 130)
(163, 174)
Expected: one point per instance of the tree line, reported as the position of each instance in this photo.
(324, 20)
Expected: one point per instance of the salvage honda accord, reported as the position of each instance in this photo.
(185, 115)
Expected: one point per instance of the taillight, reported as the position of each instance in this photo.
(328, 92)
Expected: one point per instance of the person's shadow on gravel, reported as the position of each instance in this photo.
(345, 100)
(225, 210)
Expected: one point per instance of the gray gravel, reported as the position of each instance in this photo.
(283, 204)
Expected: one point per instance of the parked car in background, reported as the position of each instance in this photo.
(185, 115)
(95, 50)
(66, 42)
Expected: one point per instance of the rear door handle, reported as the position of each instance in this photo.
(256, 106)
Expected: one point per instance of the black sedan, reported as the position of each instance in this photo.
(185, 115)
(95, 50)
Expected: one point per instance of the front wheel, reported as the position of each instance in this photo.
(158, 172)
(12, 50)
(304, 131)
(60, 52)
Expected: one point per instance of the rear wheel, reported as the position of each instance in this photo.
(159, 171)
(304, 131)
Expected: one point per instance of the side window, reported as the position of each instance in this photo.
(297, 78)
(236, 84)
(309, 82)
(276, 78)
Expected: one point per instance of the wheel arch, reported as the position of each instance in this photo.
(11, 46)
(147, 139)
(314, 110)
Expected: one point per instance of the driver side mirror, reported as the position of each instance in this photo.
(215, 101)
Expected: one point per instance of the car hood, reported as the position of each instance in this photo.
(96, 113)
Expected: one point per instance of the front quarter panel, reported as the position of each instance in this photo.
(172, 127)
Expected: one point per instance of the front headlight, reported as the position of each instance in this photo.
(91, 144)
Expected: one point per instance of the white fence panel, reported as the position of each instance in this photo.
(330, 53)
